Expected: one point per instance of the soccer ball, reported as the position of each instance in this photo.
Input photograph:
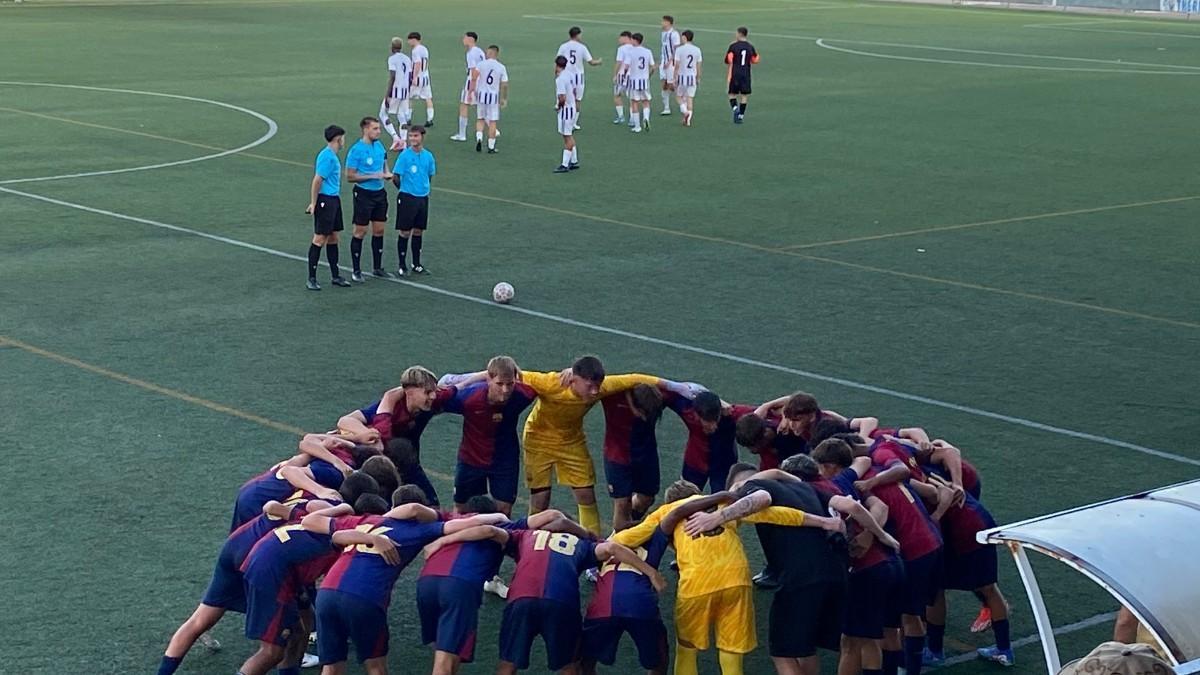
(503, 293)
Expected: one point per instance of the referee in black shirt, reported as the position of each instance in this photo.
(740, 56)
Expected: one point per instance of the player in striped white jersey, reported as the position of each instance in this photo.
(620, 86)
(422, 88)
(565, 106)
(577, 54)
(395, 101)
(466, 99)
(491, 94)
(666, 71)
(639, 65)
(687, 75)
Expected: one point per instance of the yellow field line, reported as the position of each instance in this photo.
(984, 223)
(6, 341)
(788, 251)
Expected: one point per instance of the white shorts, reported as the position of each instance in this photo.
(666, 74)
(685, 90)
(397, 106)
(639, 89)
(489, 112)
(566, 122)
(424, 92)
(620, 87)
(467, 97)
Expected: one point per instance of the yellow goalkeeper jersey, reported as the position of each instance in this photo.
(556, 421)
(708, 564)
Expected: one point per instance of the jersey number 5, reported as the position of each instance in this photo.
(572, 56)
(559, 542)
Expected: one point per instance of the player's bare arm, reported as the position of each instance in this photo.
(859, 513)
(314, 189)
(376, 542)
(417, 512)
(475, 533)
(301, 479)
(893, 474)
(558, 522)
(354, 422)
(624, 555)
(320, 446)
(863, 426)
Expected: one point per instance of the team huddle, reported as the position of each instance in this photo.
(864, 528)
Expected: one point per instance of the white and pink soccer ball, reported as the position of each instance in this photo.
(503, 293)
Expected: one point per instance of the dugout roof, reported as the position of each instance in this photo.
(1143, 549)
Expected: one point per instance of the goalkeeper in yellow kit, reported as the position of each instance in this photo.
(553, 440)
(715, 593)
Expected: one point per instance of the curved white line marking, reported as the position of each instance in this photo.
(272, 129)
(895, 57)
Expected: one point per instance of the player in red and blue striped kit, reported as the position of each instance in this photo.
(631, 450)
(489, 454)
(354, 597)
(710, 450)
(625, 601)
(544, 596)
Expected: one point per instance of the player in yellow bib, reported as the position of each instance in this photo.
(715, 593)
(554, 441)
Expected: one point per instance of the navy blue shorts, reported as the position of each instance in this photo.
(625, 480)
(924, 580)
(343, 618)
(715, 477)
(449, 609)
(874, 597)
(558, 623)
(602, 636)
(271, 613)
(227, 590)
(972, 570)
(498, 480)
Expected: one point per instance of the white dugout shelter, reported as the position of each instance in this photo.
(1143, 549)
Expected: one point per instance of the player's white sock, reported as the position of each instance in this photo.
(620, 112)
(491, 144)
(666, 96)
(646, 114)
(479, 135)
(428, 113)
(682, 108)
(462, 126)
(566, 158)
(575, 155)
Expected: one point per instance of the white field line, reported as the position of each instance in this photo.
(1120, 32)
(272, 129)
(1034, 639)
(722, 11)
(680, 346)
(983, 64)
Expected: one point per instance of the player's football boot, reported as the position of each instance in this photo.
(573, 166)
(402, 272)
(561, 169)
(618, 120)
(381, 273)
(983, 621)
(339, 281)
(357, 277)
(478, 145)
(1002, 656)
(312, 285)
(496, 586)
(932, 659)
(420, 269)
(765, 579)
(493, 151)
(666, 112)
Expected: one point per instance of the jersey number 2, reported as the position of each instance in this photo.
(691, 60)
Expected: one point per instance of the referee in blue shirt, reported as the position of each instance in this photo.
(325, 205)
(366, 167)
(412, 172)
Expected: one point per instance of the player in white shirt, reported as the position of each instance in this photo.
(687, 75)
(421, 86)
(395, 101)
(565, 106)
(466, 99)
(639, 65)
(491, 94)
(620, 87)
(666, 73)
(576, 53)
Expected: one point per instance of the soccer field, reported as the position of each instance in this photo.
(981, 222)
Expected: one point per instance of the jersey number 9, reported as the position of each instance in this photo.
(559, 542)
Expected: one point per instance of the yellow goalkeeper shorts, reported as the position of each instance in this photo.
(570, 466)
(728, 612)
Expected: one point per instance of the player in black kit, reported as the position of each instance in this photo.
(740, 56)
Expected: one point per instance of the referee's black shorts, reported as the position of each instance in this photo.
(412, 213)
(739, 84)
(327, 215)
(370, 206)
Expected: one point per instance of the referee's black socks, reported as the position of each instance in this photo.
(331, 254)
(742, 108)
(356, 254)
(377, 250)
(314, 257)
(402, 250)
(416, 249)
(733, 103)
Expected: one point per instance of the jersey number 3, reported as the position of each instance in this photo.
(559, 542)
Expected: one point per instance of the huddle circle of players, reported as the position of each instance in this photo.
(486, 89)
(863, 528)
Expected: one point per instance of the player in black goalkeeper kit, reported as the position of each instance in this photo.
(740, 56)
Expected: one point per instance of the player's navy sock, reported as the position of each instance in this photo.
(742, 108)
(314, 258)
(356, 253)
(416, 248)
(914, 648)
(331, 254)
(1000, 629)
(377, 250)
(892, 661)
(402, 250)
(935, 637)
(293, 670)
(733, 103)
(872, 671)
(169, 665)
